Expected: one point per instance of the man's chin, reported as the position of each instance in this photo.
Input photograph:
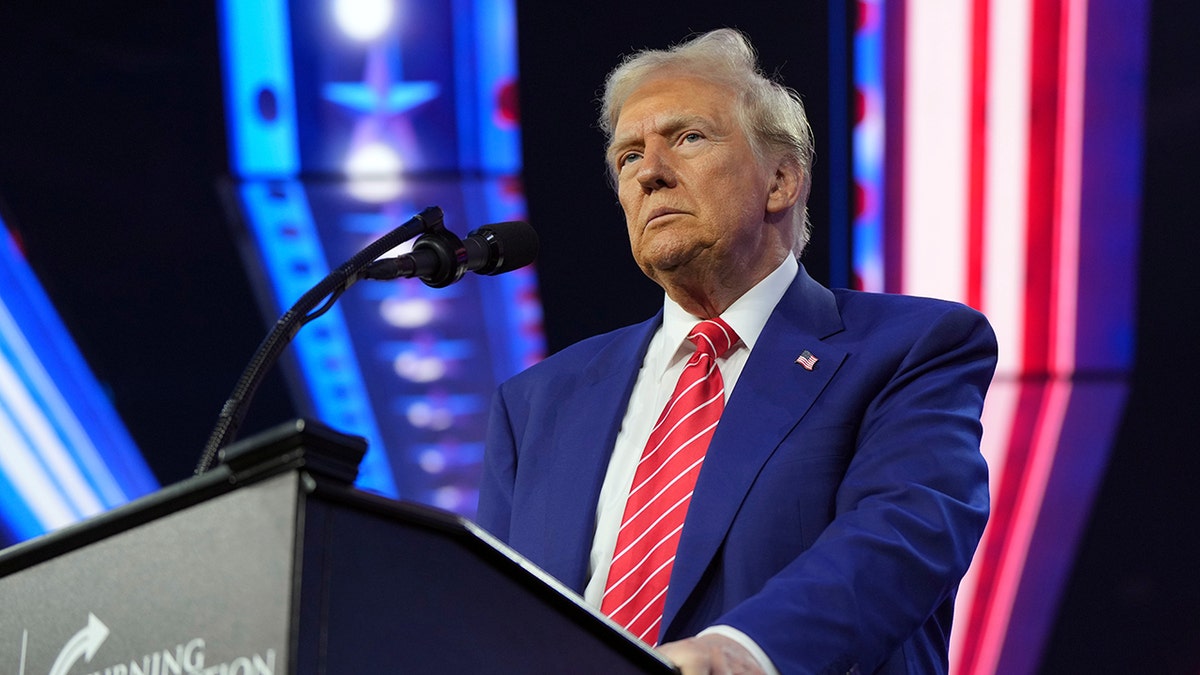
(667, 264)
(682, 268)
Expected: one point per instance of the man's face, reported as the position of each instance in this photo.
(695, 195)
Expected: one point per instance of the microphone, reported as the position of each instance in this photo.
(439, 258)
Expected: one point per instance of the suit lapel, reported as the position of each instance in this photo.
(772, 394)
(590, 414)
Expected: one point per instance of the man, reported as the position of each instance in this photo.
(842, 493)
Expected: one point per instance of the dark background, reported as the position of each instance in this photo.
(112, 145)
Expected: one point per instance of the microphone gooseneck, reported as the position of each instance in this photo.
(286, 327)
(439, 258)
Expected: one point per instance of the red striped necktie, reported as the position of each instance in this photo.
(662, 487)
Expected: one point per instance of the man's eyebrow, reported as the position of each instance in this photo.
(666, 125)
(618, 147)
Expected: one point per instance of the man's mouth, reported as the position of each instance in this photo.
(661, 212)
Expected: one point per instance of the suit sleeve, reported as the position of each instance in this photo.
(909, 511)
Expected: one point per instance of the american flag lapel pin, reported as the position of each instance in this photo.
(807, 360)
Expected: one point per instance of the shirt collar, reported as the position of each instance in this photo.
(747, 315)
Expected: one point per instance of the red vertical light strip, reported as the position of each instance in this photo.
(1069, 181)
(988, 559)
(987, 624)
(1022, 578)
(1043, 187)
(1038, 418)
(978, 149)
(974, 277)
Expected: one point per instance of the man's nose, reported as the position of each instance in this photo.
(655, 169)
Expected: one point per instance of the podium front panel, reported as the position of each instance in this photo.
(400, 595)
(208, 586)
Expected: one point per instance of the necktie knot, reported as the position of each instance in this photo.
(713, 337)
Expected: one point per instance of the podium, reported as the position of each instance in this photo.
(273, 563)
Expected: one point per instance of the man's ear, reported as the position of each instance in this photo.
(785, 188)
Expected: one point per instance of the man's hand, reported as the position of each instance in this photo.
(711, 655)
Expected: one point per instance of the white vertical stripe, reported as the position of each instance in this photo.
(1006, 177)
(936, 106)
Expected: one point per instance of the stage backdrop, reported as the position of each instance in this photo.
(983, 151)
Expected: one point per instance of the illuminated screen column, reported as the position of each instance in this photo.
(345, 119)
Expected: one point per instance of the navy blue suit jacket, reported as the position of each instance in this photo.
(837, 508)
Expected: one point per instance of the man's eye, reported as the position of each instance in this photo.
(692, 137)
(627, 158)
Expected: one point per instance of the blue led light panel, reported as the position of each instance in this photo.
(65, 453)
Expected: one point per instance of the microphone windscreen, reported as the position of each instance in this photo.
(501, 247)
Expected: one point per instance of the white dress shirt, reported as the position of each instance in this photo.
(666, 356)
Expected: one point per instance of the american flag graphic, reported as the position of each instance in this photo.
(807, 360)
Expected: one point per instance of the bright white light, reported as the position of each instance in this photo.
(374, 170)
(373, 159)
(448, 497)
(1006, 190)
(432, 461)
(364, 19)
(416, 368)
(425, 416)
(407, 312)
(936, 97)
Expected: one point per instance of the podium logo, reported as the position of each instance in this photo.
(84, 643)
(185, 659)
